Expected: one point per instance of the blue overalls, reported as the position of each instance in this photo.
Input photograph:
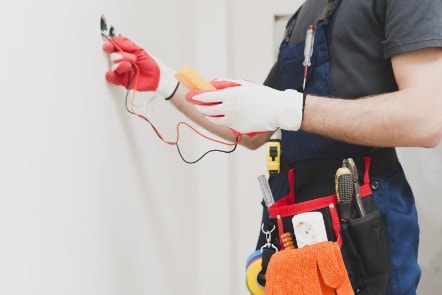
(391, 191)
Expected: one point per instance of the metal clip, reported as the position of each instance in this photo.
(268, 235)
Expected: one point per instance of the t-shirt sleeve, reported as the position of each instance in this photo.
(412, 25)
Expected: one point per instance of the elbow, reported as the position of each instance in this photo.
(431, 137)
(254, 142)
(425, 130)
(251, 144)
(434, 139)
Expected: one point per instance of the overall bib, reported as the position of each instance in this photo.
(307, 153)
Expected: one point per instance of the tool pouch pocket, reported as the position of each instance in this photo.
(363, 240)
(365, 252)
(283, 211)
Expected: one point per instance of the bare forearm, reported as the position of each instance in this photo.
(402, 118)
(411, 116)
(222, 131)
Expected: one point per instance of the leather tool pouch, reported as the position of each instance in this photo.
(363, 240)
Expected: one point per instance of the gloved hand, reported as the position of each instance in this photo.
(135, 69)
(248, 107)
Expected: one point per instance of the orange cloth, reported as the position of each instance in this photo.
(311, 270)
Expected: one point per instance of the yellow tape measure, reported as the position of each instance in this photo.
(274, 156)
(253, 268)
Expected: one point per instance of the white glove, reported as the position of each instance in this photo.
(248, 107)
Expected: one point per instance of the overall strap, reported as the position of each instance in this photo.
(326, 16)
(328, 11)
(290, 26)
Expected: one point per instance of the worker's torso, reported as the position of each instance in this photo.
(339, 43)
(356, 46)
(344, 64)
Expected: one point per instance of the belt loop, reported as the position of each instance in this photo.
(335, 223)
(291, 179)
(367, 162)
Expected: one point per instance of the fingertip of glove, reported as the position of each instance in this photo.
(108, 47)
(122, 67)
(222, 84)
(190, 98)
(112, 77)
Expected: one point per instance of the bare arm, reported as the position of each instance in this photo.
(411, 116)
(222, 131)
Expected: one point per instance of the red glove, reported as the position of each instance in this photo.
(135, 69)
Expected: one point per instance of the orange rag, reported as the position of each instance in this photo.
(311, 270)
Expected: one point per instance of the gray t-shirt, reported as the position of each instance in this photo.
(366, 34)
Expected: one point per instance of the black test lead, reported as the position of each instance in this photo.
(107, 33)
(308, 51)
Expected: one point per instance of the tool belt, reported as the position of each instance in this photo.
(363, 239)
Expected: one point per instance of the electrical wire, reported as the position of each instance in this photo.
(132, 111)
(235, 144)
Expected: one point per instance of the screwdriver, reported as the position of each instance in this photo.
(266, 191)
(344, 192)
(308, 51)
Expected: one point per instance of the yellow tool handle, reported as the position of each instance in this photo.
(192, 80)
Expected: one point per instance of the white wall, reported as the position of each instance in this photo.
(423, 168)
(91, 201)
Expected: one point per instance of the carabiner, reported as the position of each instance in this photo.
(268, 235)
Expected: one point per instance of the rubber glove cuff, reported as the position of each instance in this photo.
(289, 108)
(168, 84)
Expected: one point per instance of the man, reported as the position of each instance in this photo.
(374, 83)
